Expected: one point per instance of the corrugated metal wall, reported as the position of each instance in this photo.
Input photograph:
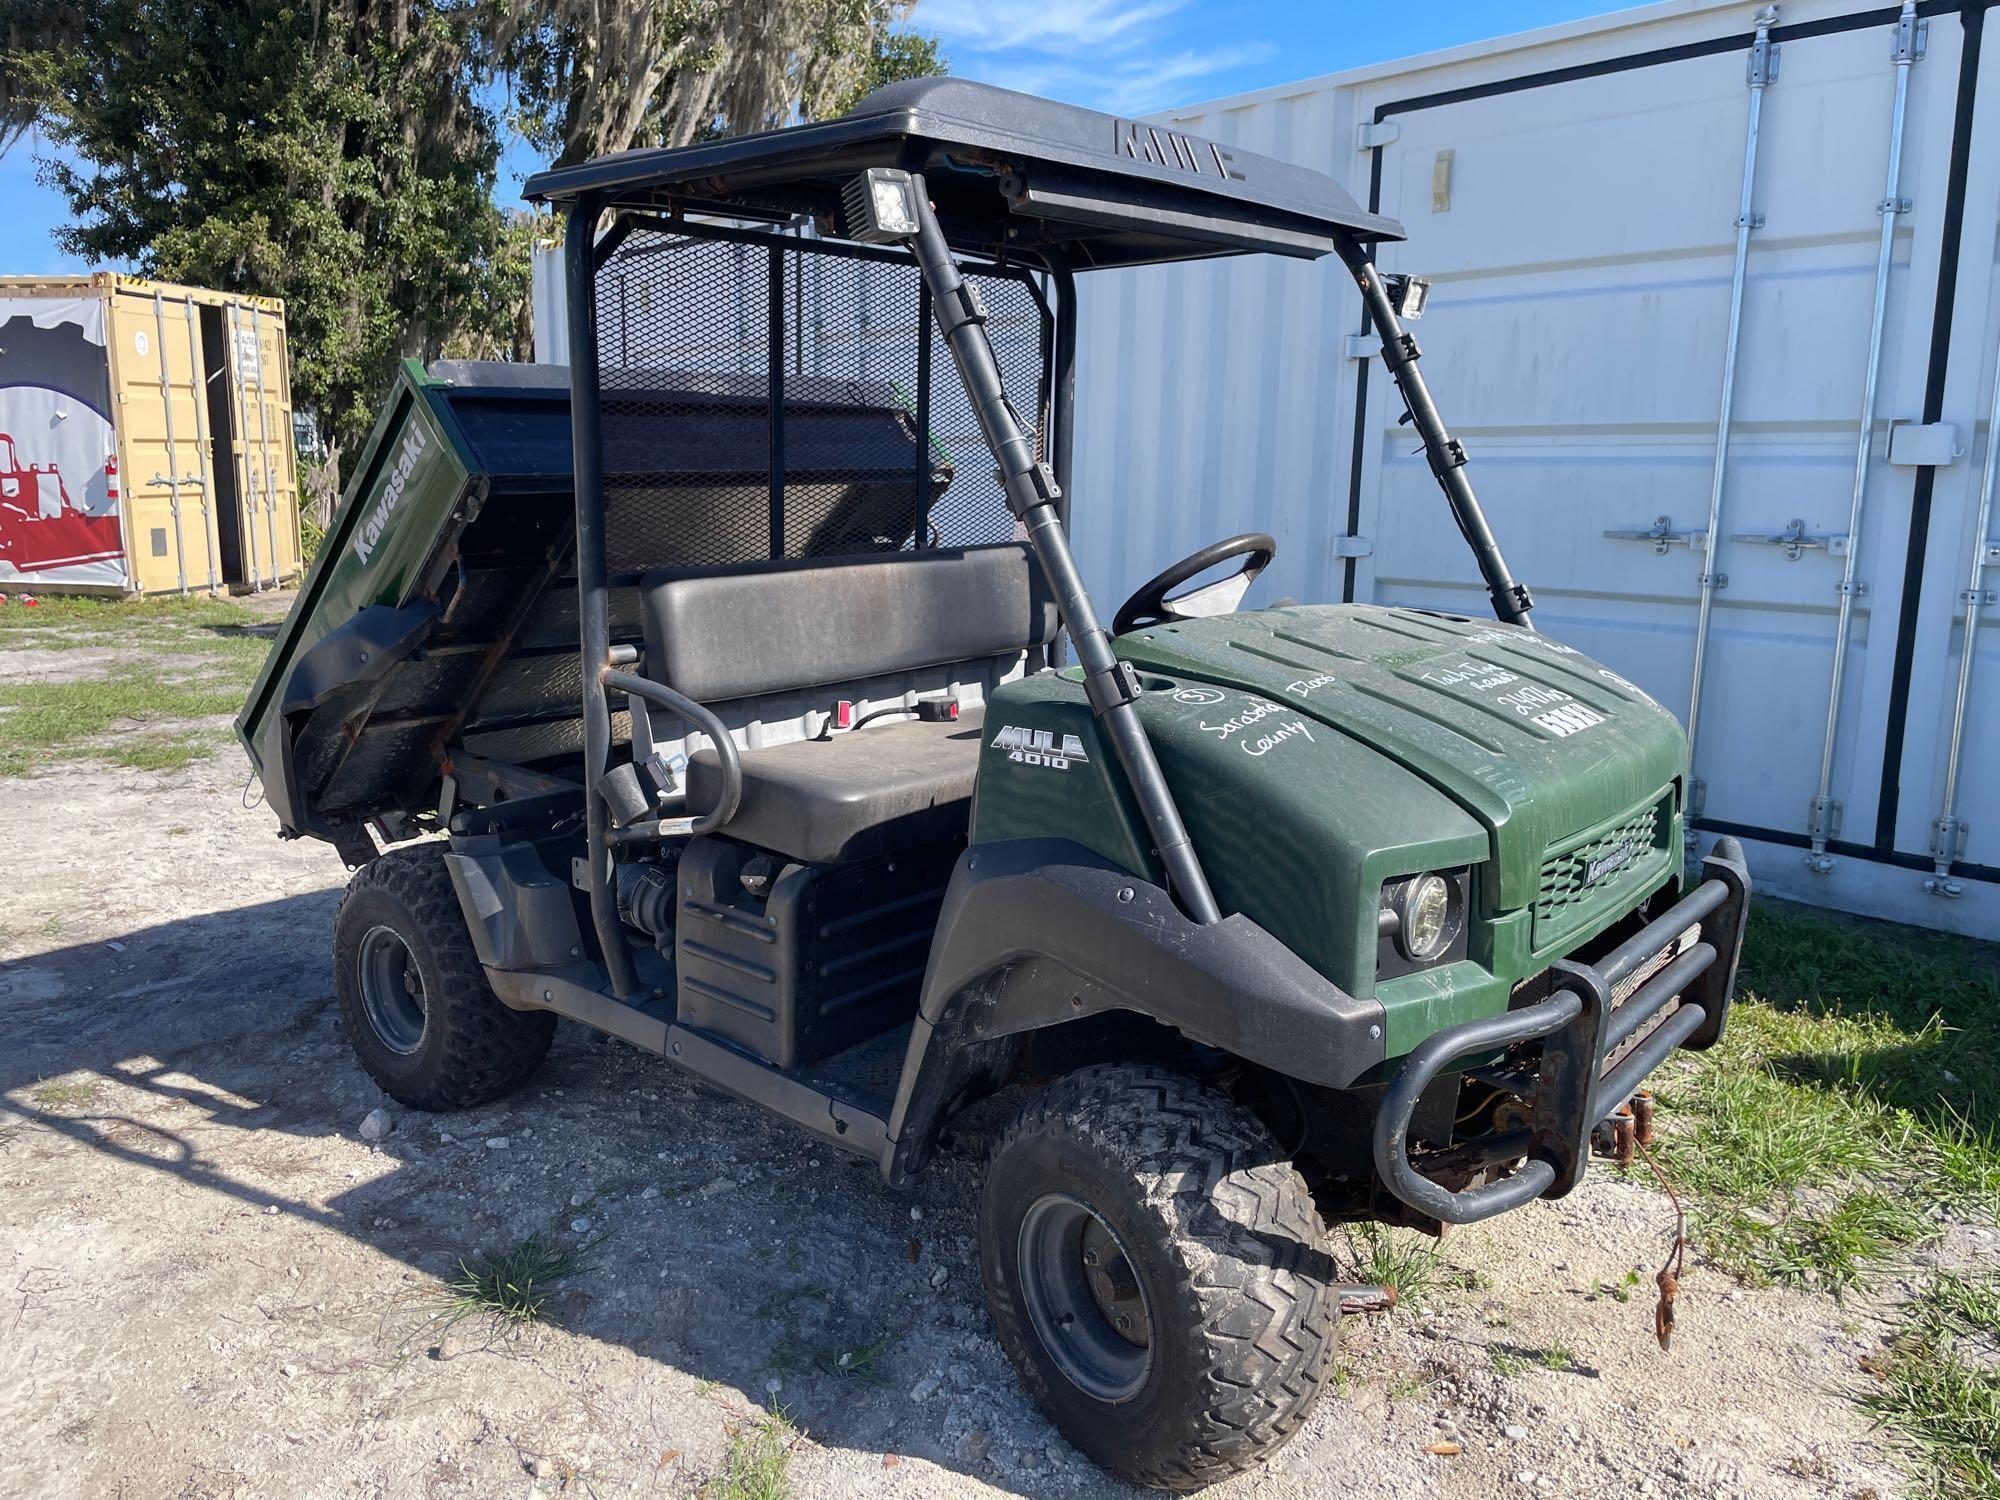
(1573, 195)
(199, 461)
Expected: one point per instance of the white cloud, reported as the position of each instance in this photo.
(1127, 86)
(1041, 25)
(1127, 56)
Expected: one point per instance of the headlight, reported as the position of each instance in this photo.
(1424, 915)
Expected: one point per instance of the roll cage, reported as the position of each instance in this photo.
(1017, 184)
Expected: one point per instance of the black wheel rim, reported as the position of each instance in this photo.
(392, 990)
(1084, 1297)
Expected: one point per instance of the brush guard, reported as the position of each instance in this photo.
(1608, 1025)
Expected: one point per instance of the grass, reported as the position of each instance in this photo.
(1617, 1291)
(49, 720)
(757, 1463)
(860, 1362)
(14, 934)
(19, 625)
(1510, 1361)
(1402, 1260)
(1940, 1393)
(510, 1289)
(61, 1094)
(1851, 1101)
(177, 659)
(161, 753)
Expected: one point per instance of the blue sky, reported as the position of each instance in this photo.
(1127, 56)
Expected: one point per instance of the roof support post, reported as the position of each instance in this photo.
(1033, 495)
(774, 379)
(1062, 406)
(1511, 601)
(592, 596)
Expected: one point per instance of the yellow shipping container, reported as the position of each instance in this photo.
(145, 439)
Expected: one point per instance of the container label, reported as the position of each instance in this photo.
(59, 501)
(415, 441)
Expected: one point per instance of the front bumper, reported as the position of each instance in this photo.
(1606, 1026)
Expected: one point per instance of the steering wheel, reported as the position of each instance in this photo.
(1150, 605)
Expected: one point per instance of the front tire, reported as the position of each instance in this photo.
(1157, 1272)
(419, 1013)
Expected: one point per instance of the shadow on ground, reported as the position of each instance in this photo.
(208, 1050)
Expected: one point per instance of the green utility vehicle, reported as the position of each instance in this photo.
(849, 805)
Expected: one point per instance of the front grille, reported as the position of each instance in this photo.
(1578, 874)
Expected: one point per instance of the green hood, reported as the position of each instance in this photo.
(1543, 746)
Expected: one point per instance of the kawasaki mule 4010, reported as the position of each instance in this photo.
(1273, 916)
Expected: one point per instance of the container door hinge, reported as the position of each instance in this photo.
(1363, 346)
(1697, 802)
(1353, 546)
(1948, 838)
(1370, 134)
(1912, 39)
(1763, 65)
(1661, 534)
(1796, 540)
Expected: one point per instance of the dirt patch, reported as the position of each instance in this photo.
(211, 1285)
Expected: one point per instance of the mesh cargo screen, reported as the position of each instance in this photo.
(763, 403)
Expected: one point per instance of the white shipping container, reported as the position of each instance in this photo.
(1574, 195)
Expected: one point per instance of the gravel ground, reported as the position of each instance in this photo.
(211, 1284)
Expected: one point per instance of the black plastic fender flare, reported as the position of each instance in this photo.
(1035, 932)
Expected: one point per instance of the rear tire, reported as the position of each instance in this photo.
(419, 1012)
(1134, 1195)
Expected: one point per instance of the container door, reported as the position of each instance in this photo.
(61, 524)
(236, 543)
(159, 373)
(1953, 714)
(264, 376)
(1581, 237)
(249, 404)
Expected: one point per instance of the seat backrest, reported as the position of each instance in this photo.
(741, 633)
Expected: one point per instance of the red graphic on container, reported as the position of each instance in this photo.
(40, 526)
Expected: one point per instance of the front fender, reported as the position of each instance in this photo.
(1035, 932)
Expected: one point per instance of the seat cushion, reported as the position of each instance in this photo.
(723, 635)
(888, 786)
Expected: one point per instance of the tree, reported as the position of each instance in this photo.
(28, 29)
(341, 154)
(335, 155)
(589, 77)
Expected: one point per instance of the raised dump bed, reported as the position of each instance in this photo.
(460, 522)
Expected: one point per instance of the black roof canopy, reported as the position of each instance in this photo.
(1011, 175)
